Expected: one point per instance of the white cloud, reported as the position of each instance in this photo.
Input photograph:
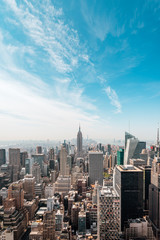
(45, 26)
(31, 109)
(112, 95)
(103, 23)
(35, 116)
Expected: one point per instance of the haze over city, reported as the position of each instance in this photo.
(65, 63)
(79, 120)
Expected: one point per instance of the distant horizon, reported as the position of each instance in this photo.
(49, 141)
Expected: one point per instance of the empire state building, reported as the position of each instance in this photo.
(79, 143)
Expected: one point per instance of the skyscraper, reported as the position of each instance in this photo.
(133, 148)
(38, 150)
(36, 172)
(108, 213)
(2, 156)
(64, 168)
(96, 167)
(128, 182)
(14, 162)
(120, 156)
(154, 197)
(23, 157)
(79, 143)
(128, 136)
(14, 156)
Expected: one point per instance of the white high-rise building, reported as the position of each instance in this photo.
(108, 213)
(133, 148)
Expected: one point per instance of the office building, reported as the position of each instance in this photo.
(137, 162)
(28, 165)
(52, 164)
(95, 167)
(82, 223)
(39, 189)
(108, 214)
(154, 197)
(14, 156)
(38, 150)
(29, 187)
(128, 136)
(64, 167)
(16, 191)
(133, 148)
(36, 231)
(50, 203)
(4, 193)
(39, 158)
(74, 216)
(49, 190)
(146, 182)
(79, 143)
(23, 157)
(2, 156)
(49, 225)
(63, 184)
(14, 163)
(51, 154)
(16, 221)
(138, 228)
(58, 221)
(36, 172)
(144, 155)
(109, 149)
(128, 182)
(120, 156)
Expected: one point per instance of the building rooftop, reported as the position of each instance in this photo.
(95, 152)
(108, 191)
(128, 168)
(137, 220)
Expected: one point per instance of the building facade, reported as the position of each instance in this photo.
(108, 214)
(128, 182)
(95, 167)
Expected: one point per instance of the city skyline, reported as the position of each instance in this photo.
(68, 62)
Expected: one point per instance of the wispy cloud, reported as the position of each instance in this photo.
(28, 100)
(44, 24)
(112, 95)
(101, 23)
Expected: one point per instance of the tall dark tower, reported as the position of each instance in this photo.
(2, 156)
(79, 143)
(128, 182)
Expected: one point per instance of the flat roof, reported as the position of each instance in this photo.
(128, 168)
(95, 152)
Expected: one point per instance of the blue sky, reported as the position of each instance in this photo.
(67, 62)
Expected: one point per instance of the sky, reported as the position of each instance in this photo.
(90, 62)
